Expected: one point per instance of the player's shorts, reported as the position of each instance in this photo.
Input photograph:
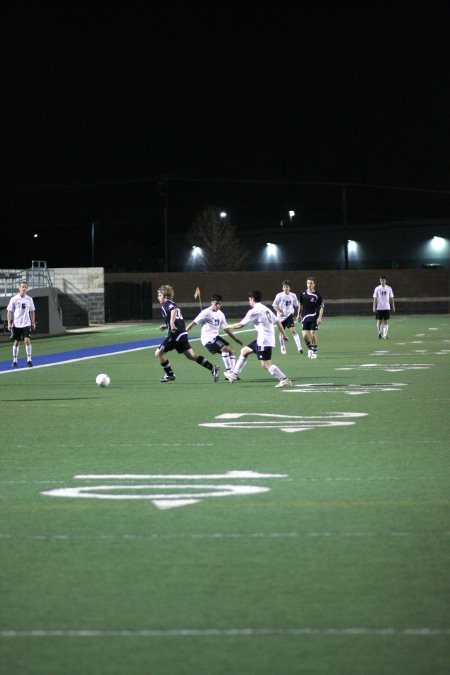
(382, 314)
(20, 333)
(262, 353)
(179, 343)
(310, 324)
(216, 345)
(288, 322)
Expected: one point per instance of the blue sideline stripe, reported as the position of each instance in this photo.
(77, 354)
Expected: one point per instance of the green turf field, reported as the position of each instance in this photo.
(195, 528)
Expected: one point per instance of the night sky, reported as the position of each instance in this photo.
(101, 103)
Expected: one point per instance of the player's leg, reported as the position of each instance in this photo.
(15, 352)
(313, 344)
(297, 341)
(241, 362)
(27, 342)
(160, 354)
(192, 356)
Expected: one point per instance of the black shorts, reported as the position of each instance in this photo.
(383, 314)
(180, 344)
(289, 322)
(19, 333)
(216, 345)
(310, 324)
(262, 353)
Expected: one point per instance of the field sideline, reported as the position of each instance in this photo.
(201, 528)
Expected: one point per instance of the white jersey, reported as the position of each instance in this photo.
(287, 303)
(211, 321)
(383, 295)
(264, 321)
(21, 306)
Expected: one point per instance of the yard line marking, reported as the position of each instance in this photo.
(286, 423)
(180, 476)
(349, 389)
(225, 632)
(168, 495)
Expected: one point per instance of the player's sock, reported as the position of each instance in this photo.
(226, 360)
(15, 352)
(232, 361)
(28, 351)
(276, 372)
(167, 368)
(204, 362)
(240, 364)
(297, 341)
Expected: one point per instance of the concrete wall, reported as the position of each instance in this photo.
(333, 284)
(81, 292)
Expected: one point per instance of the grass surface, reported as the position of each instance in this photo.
(339, 564)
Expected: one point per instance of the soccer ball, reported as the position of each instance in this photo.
(103, 380)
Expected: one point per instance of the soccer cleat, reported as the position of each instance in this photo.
(14, 364)
(379, 336)
(167, 378)
(215, 373)
(283, 383)
(300, 351)
(29, 364)
(230, 376)
(313, 355)
(310, 353)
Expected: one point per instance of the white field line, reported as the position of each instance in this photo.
(226, 632)
(226, 535)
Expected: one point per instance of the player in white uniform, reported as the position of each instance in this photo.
(21, 316)
(383, 300)
(285, 304)
(264, 321)
(212, 319)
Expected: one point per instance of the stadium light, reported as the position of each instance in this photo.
(223, 214)
(438, 244)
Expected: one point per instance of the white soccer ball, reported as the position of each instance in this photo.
(103, 380)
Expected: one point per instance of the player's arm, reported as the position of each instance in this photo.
(233, 326)
(173, 316)
(282, 331)
(374, 307)
(33, 318)
(392, 303)
(319, 318)
(9, 316)
(299, 312)
(278, 311)
(229, 332)
(191, 325)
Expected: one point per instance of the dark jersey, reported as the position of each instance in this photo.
(311, 302)
(166, 309)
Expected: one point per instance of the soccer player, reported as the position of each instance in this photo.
(310, 313)
(264, 321)
(177, 337)
(212, 319)
(383, 301)
(21, 317)
(285, 305)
